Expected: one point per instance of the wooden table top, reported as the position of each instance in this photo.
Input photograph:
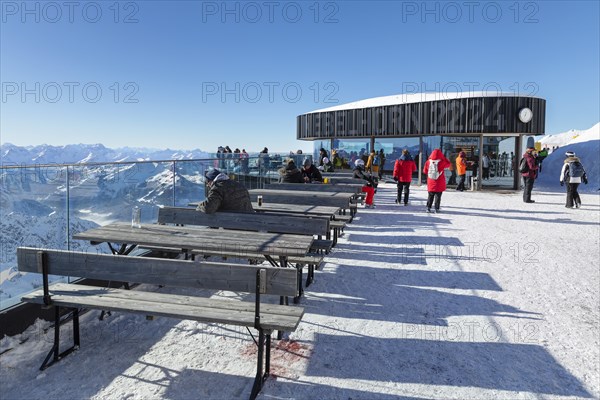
(299, 193)
(296, 209)
(197, 238)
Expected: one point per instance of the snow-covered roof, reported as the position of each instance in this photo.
(406, 98)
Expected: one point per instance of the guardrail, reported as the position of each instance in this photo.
(43, 205)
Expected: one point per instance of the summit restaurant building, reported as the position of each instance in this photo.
(490, 128)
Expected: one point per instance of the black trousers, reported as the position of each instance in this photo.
(438, 199)
(452, 179)
(461, 182)
(527, 188)
(403, 187)
(572, 195)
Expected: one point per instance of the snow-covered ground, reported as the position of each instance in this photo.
(491, 299)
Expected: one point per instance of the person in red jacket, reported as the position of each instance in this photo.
(403, 170)
(530, 175)
(436, 180)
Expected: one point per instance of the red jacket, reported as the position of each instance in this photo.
(439, 184)
(403, 170)
(532, 173)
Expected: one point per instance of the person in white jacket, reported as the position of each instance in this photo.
(572, 173)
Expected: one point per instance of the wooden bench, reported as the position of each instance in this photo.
(221, 276)
(341, 200)
(251, 222)
(259, 222)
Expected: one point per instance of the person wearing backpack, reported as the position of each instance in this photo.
(436, 180)
(461, 170)
(573, 174)
(403, 170)
(528, 168)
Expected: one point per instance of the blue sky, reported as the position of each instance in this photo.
(192, 74)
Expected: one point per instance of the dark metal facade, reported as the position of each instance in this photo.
(461, 116)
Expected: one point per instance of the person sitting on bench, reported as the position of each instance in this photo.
(224, 194)
(369, 185)
(290, 173)
(310, 172)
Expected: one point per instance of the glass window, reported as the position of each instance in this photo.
(392, 148)
(349, 150)
(451, 146)
(34, 213)
(318, 145)
(498, 161)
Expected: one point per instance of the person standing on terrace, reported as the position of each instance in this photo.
(529, 174)
(403, 170)
(436, 180)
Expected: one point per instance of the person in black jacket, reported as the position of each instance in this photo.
(310, 172)
(572, 173)
(224, 194)
(370, 182)
(290, 173)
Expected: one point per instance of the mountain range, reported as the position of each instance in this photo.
(88, 153)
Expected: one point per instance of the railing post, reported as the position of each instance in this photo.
(174, 181)
(68, 211)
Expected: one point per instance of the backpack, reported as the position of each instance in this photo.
(433, 172)
(376, 160)
(523, 166)
(575, 169)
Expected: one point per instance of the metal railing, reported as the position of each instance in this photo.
(44, 205)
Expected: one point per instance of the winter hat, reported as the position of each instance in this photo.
(570, 154)
(212, 174)
(307, 162)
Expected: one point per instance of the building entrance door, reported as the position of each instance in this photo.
(499, 162)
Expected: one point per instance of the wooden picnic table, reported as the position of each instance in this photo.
(199, 239)
(329, 199)
(294, 209)
(334, 180)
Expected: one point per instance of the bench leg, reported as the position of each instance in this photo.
(300, 288)
(263, 364)
(311, 274)
(55, 353)
(283, 300)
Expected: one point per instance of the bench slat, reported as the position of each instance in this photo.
(170, 305)
(333, 199)
(244, 221)
(314, 187)
(205, 275)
